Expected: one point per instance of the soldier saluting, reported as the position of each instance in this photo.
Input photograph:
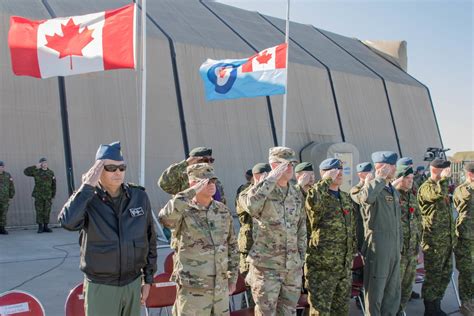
(7, 191)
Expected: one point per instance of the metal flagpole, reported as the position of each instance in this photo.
(287, 33)
(143, 108)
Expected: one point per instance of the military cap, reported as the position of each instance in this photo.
(403, 171)
(440, 163)
(330, 163)
(469, 167)
(200, 171)
(364, 167)
(200, 152)
(2, 164)
(420, 168)
(388, 157)
(43, 160)
(304, 166)
(281, 154)
(111, 151)
(261, 168)
(248, 172)
(405, 161)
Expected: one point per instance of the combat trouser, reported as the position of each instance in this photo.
(109, 300)
(275, 292)
(464, 252)
(3, 213)
(408, 264)
(438, 269)
(202, 302)
(43, 210)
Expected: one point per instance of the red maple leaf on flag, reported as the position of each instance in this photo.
(72, 42)
(264, 57)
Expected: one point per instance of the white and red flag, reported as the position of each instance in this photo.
(73, 45)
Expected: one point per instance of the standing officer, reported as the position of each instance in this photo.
(7, 191)
(248, 177)
(420, 176)
(332, 245)
(174, 179)
(277, 255)
(438, 238)
(43, 192)
(304, 177)
(464, 251)
(411, 225)
(382, 245)
(362, 169)
(117, 237)
(206, 258)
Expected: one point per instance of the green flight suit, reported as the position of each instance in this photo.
(7, 191)
(464, 251)
(330, 250)
(43, 192)
(438, 238)
(382, 246)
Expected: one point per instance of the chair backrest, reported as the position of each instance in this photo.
(20, 303)
(168, 265)
(357, 263)
(240, 286)
(162, 293)
(74, 305)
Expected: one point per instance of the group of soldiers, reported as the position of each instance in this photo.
(43, 193)
(299, 233)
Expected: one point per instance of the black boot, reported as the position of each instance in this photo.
(430, 308)
(46, 229)
(439, 311)
(414, 295)
(3, 231)
(40, 228)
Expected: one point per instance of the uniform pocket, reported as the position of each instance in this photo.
(101, 258)
(140, 253)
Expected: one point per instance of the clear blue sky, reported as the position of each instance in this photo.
(439, 34)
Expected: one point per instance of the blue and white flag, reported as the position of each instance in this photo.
(260, 75)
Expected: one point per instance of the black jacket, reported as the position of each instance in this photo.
(115, 249)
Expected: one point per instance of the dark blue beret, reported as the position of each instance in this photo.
(111, 151)
(388, 157)
(364, 167)
(200, 152)
(43, 160)
(330, 163)
(405, 161)
(304, 166)
(2, 164)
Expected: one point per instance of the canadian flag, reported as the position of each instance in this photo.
(268, 59)
(73, 45)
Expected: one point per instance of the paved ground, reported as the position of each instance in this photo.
(46, 265)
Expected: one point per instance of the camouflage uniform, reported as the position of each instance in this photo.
(7, 191)
(277, 255)
(330, 250)
(418, 180)
(438, 238)
(382, 246)
(206, 258)
(174, 180)
(411, 225)
(464, 251)
(245, 240)
(43, 192)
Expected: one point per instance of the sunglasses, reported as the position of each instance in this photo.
(113, 168)
(207, 160)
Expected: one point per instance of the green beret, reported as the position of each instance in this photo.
(200, 152)
(261, 168)
(403, 171)
(304, 166)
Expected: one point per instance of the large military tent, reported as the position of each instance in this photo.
(342, 98)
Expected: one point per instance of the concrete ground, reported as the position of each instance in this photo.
(47, 266)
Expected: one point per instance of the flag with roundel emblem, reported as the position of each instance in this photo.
(73, 45)
(260, 75)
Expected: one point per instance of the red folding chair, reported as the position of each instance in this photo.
(240, 288)
(168, 264)
(20, 303)
(303, 302)
(74, 305)
(162, 293)
(357, 289)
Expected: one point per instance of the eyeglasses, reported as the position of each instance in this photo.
(207, 160)
(113, 168)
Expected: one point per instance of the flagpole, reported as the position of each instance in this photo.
(143, 98)
(287, 33)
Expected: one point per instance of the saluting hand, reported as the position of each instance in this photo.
(383, 172)
(278, 172)
(304, 179)
(368, 178)
(199, 186)
(446, 173)
(397, 181)
(331, 173)
(92, 176)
